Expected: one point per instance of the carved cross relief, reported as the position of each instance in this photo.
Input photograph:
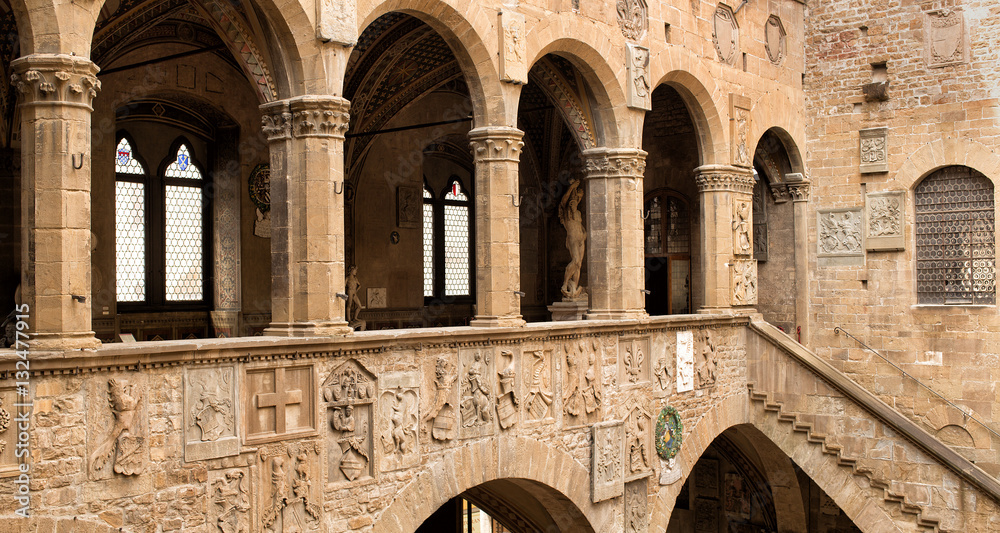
(281, 402)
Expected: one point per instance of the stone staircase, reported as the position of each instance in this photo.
(856, 465)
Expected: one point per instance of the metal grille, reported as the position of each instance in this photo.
(955, 238)
(184, 278)
(428, 248)
(125, 163)
(182, 167)
(456, 250)
(130, 241)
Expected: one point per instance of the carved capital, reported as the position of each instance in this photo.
(496, 143)
(615, 163)
(276, 120)
(724, 178)
(779, 191)
(798, 187)
(55, 79)
(319, 116)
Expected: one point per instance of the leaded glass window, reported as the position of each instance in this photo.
(668, 253)
(956, 251)
(447, 241)
(428, 243)
(130, 224)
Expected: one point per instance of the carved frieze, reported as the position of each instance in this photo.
(744, 282)
(638, 425)
(639, 95)
(582, 385)
(539, 367)
(337, 21)
(119, 419)
(477, 393)
(398, 406)
(636, 503)
(873, 149)
(742, 220)
(884, 222)
(441, 419)
(513, 63)
(739, 130)
(633, 361)
(774, 39)
(840, 232)
(685, 361)
(726, 34)
(633, 18)
(210, 413)
(607, 458)
(281, 402)
(706, 364)
(289, 498)
(945, 41)
(230, 492)
(349, 393)
(508, 399)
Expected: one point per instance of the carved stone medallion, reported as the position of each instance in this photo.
(774, 39)
(477, 395)
(685, 361)
(349, 393)
(884, 220)
(636, 503)
(289, 493)
(210, 413)
(945, 41)
(606, 472)
(726, 34)
(744, 285)
(231, 494)
(513, 65)
(840, 233)
(873, 149)
(280, 402)
(118, 443)
(398, 435)
(539, 379)
(633, 361)
(637, 66)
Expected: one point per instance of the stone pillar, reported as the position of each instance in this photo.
(306, 136)
(798, 189)
(497, 150)
(721, 187)
(615, 233)
(56, 92)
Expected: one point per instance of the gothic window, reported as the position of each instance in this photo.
(955, 252)
(447, 240)
(760, 189)
(668, 253)
(159, 229)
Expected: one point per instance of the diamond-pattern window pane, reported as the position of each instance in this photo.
(125, 162)
(456, 250)
(184, 276)
(182, 167)
(130, 241)
(428, 248)
(956, 252)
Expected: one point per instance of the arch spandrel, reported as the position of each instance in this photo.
(706, 103)
(775, 112)
(470, 32)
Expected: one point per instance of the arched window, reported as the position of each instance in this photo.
(447, 238)
(159, 229)
(668, 253)
(955, 252)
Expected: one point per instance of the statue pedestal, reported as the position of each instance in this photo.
(568, 310)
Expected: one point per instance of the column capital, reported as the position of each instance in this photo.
(496, 143)
(56, 79)
(614, 162)
(724, 178)
(276, 120)
(319, 116)
(798, 187)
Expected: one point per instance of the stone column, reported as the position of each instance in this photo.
(306, 136)
(721, 187)
(615, 233)
(798, 188)
(56, 92)
(497, 150)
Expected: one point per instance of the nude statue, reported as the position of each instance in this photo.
(353, 301)
(576, 238)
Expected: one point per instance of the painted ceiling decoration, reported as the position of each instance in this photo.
(557, 78)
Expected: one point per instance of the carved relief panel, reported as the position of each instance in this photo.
(582, 384)
(539, 379)
(477, 397)
(636, 503)
(513, 65)
(638, 425)
(440, 419)
(637, 69)
(663, 359)
(289, 494)
(210, 413)
(685, 361)
(739, 129)
(118, 414)
(705, 365)
(840, 233)
(742, 226)
(774, 39)
(398, 434)
(607, 461)
(726, 34)
(874, 150)
(633, 361)
(349, 393)
(884, 222)
(8, 431)
(336, 21)
(633, 18)
(230, 492)
(281, 402)
(945, 42)
(744, 282)
(508, 390)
